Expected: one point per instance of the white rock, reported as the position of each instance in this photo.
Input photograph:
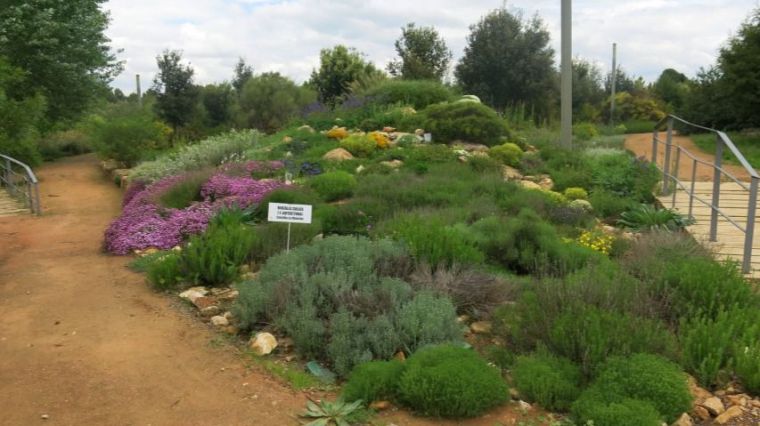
(684, 420)
(219, 321)
(193, 293)
(714, 406)
(263, 343)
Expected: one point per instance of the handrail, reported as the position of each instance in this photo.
(32, 191)
(718, 171)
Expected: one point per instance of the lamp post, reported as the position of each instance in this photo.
(566, 92)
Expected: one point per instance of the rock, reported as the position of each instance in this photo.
(529, 184)
(713, 405)
(360, 168)
(546, 183)
(498, 341)
(263, 343)
(481, 327)
(419, 132)
(287, 139)
(514, 393)
(228, 315)
(109, 166)
(388, 129)
(231, 330)
(204, 302)
(210, 311)
(531, 148)
(290, 358)
(338, 154)
(728, 415)
(393, 164)
(380, 405)
(463, 319)
(229, 295)
(524, 405)
(462, 159)
(44, 417)
(472, 147)
(220, 321)
(510, 173)
(739, 399)
(306, 128)
(701, 412)
(684, 420)
(698, 393)
(400, 355)
(756, 403)
(193, 293)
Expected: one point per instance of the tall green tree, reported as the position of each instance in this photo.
(20, 114)
(672, 87)
(242, 73)
(270, 100)
(217, 100)
(423, 54)
(176, 95)
(338, 68)
(508, 61)
(62, 48)
(588, 92)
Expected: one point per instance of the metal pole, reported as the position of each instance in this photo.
(139, 90)
(655, 145)
(749, 235)
(693, 183)
(613, 83)
(666, 164)
(675, 176)
(566, 138)
(287, 247)
(716, 189)
(37, 205)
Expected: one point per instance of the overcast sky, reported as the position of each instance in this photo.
(286, 36)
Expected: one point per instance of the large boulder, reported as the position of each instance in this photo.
(263, 343)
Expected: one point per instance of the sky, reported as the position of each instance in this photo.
(287, 35)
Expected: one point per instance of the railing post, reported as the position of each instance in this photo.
(675, 176)
(8, 171)
(666, 164)
(749, 235)
(716, 189)
(655, 134)
(693, 184)
(37, 205)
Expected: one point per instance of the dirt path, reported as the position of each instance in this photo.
(641, 145)
(86, 342)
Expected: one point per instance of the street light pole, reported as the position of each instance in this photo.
(566, 92)
(613, 83)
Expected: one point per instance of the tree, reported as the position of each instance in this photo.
(176, 94)
(338, 68)
(423, 54)
(508, 61)
(62, 49)
(270, 100)
(20, 114)
(217, 102)
(672, 87)
(243, 73)
(588, 93)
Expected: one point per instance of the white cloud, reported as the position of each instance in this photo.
(286, 36)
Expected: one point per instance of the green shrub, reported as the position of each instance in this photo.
(373, 381)
(648, 218)
(449, 381)
(466, 121)
(481, 163)
(64, 143)
(214, 257)
(186, 191)
(417, 93)
(425, 320)
(508, 153)
(271, 238)
(439, 245)
(359, 145)
(575, 193)
(625, 176)
(609, 205)
(548, 380)
(165, 272)
(269, 101)
(593, 407)
(585, 131)
(126, 132)
(333, 186)
(747, 360)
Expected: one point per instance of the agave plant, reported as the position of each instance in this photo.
(647, 218)
(326, 413)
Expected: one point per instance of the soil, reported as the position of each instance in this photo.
(83, 340)
(641, 145)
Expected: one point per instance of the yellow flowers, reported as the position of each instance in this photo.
(337, 133)
(596, 240)
(381, 139)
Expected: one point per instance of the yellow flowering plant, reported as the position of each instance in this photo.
(597, 240)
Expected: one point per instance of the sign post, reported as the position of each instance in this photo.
(290, 214)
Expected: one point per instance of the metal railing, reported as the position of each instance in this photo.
(670, 176)
(20, 182)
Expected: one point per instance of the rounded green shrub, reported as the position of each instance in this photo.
(450, 381)
(333, 186)
(548, 380)
(373, 381)
(594, 407)
(585, 131)
(359, 145)
(165, 271)
(508, 153)
(466, 121)
(417, 93)
(575, 193)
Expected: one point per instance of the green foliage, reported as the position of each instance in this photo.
(176, 95)
(673, 88)
(64, 143)
(333, 186)
(373, 381)
(217, 101)
(588, 92)
(423, 54)
(271, 238)
(20, 115)
(548, 380)
(466, 121)
(329, 413)
(242, 73)
(186, 191)
(585, 131)
(450, 381)
(609, 205)
(214, 257)
(624, 176)
(426, 320)
(508, 61)
(508, 153)
(747, 368)
(295, 195)
(165, 271)
(269, 101)
(575, 193)
(593, 407)
(338, 68)
(125, 132)
(416, 93)
(359, 145)
(433, 242)
(648, 218)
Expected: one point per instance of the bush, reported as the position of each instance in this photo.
(417, 93)
(64, 143)
(359, 145)
(126, 132)
(585, 131)
(373, 381)
(609, 205)
(748, 366)
(165, 272)
(183, 193)
(575, 193)
(466, 121)
(439, 245)
(449, 381)
(214, 257)
(593, 407)
(333, 186)
(647, 218)
(425, 320)
(625, 176)
(269, 101)
(548, 380)
(271, 238)
(508, 153)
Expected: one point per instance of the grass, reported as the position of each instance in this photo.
(297, 379)
(748, 144)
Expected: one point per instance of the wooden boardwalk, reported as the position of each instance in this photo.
(9, 206)
(733, 202)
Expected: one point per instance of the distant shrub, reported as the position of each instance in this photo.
(268, 101)
(439, 245)
(551, 381)
(449, 381)
(373, 381)
(625, 176)
(648, 218)
(185, 191)
(333, 186)
(609, 205)
(126, 132)
(585, 131)
(417, 93)
(271, 238)
(467, 121)
(64, 143)
(508, 153)
(359, 145)
(165, 272)
(481, 164)
(575, 193)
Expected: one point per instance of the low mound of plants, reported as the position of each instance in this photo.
(551, 381)
(466, 121)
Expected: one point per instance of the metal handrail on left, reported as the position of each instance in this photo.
(21, 182)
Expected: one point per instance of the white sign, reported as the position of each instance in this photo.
(289, 213)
